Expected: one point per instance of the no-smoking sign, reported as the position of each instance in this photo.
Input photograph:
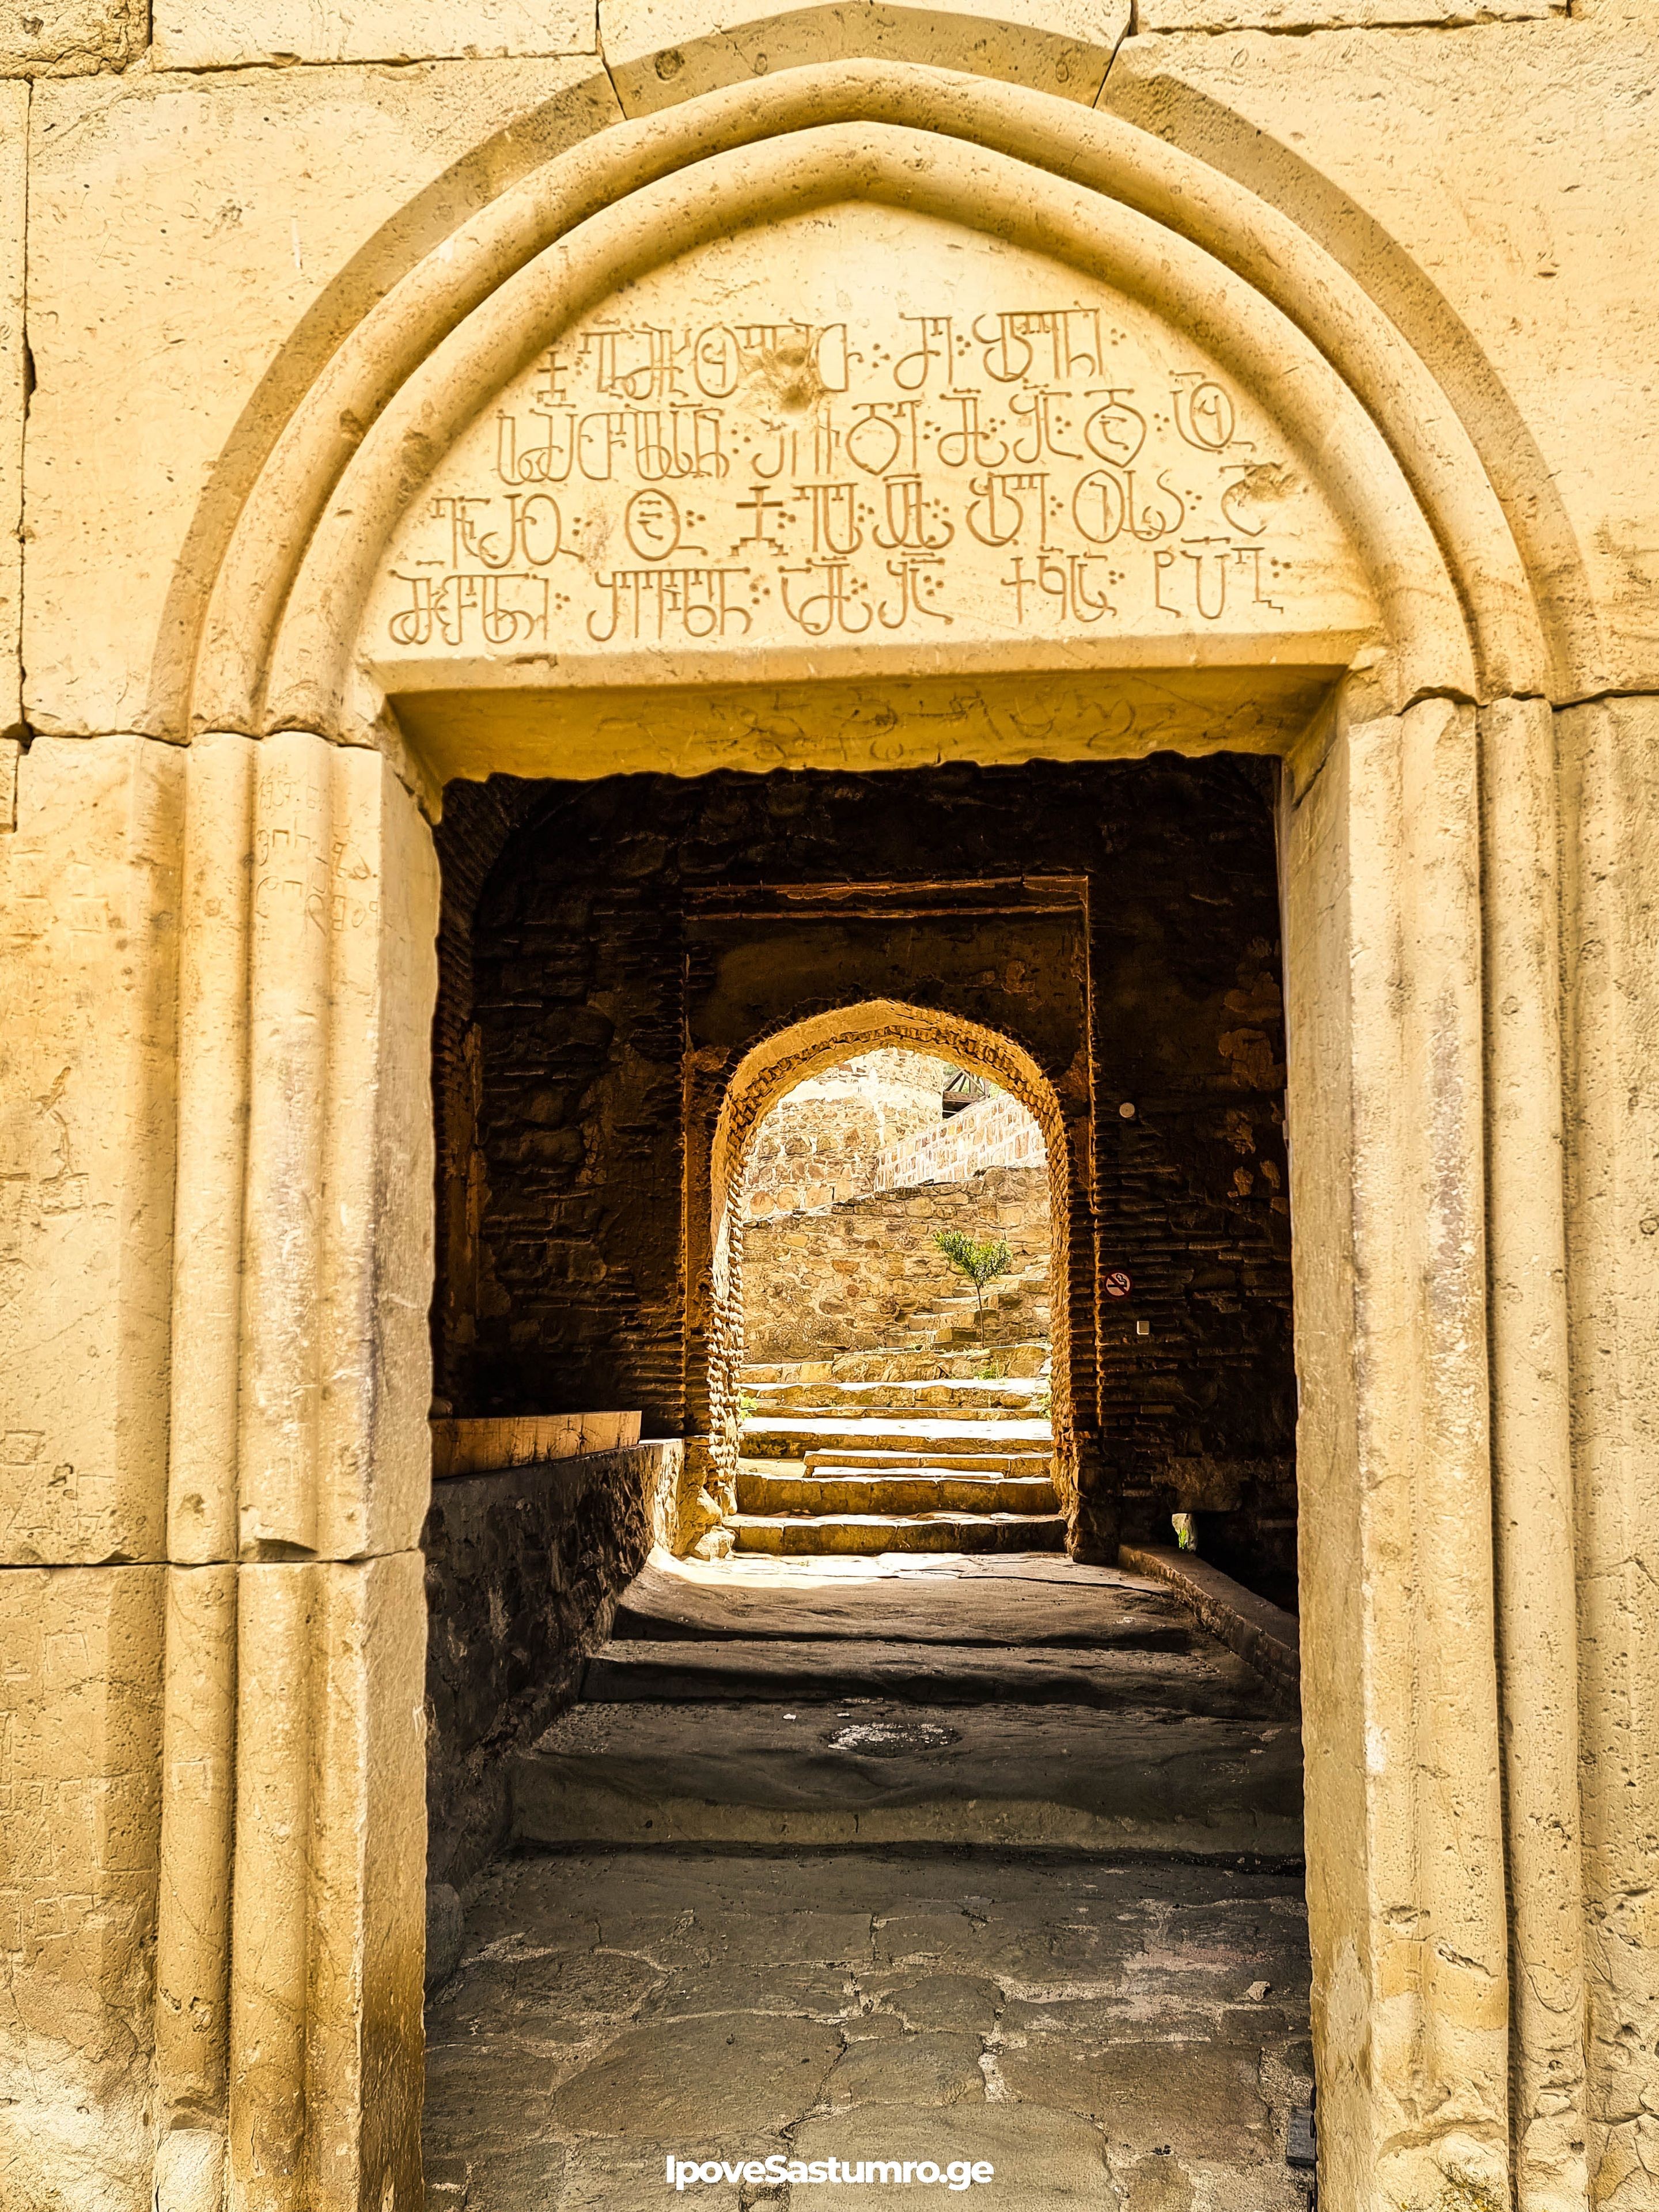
(1118, 1284)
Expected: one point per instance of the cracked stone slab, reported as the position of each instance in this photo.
(1086, 2027)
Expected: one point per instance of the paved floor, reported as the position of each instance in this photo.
(1124, 2029)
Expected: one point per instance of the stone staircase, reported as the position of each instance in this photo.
(902, 1451)
(1022, 1702)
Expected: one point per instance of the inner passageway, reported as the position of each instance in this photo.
(852, 1765)
(938, 1857)
(897, 1389)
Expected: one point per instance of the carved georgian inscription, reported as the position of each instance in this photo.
(857, 428)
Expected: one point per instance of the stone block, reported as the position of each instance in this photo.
(71, 38)
(80, 1791)
(1610, 757)
(1332, 15)
(1516, 297)
(328, 1894)
(14, 202)
(210, 34)
(88, 951)
(220, 233)
(335, 1388)
(662, 51)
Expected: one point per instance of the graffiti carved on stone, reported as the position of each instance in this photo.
(863, 430)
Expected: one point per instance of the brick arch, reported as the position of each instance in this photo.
(787, 1056)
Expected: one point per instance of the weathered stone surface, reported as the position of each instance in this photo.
(988, 1602)
(226, 279)
(522, 1569)
(662, 51)
(1609, 752)
(920, 2056)
(204, 34)
(89, 950)
(14, 201)
(71, 38)
(702, 2077)
(1296, 573)
(1332, 15)
(325, 2039)
(81, 1656)
(920, 2069)
(1019, 1777)
(1544, 346)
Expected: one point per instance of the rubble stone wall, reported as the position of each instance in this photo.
(863, 1275)
(826, 1140)
(524, 1567)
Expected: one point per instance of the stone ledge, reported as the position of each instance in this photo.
(1264, 1635)
(485, 1447)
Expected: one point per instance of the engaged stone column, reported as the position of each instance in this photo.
(288, 2000)
(1406, 1864)
(89, 945)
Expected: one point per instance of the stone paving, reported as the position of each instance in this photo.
(1106, 2035)
(1124, 2030)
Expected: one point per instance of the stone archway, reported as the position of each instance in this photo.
(1425, 1067)
(773, 1067)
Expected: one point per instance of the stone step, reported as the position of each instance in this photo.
(786, 1437)
(1021, 1464)
(873, 1534)
(1021, 1776)
(901, 1401)
(960, 1335)
(987, 1601)
(694, 1672)
(970, 1396)
(835, 1489)
(1026, 1358)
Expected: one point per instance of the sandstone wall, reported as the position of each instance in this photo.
(991, 1132)
(200, 205)
(861, 1275)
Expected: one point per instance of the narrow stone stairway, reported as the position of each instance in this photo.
(1025, 1701)
(952, 1859)
(902, 1451)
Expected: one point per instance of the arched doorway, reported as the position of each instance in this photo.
(769, 1071)
(896, 1384)
(1390, 827)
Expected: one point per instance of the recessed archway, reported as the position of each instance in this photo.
(793, 1052)
(1394, 815)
